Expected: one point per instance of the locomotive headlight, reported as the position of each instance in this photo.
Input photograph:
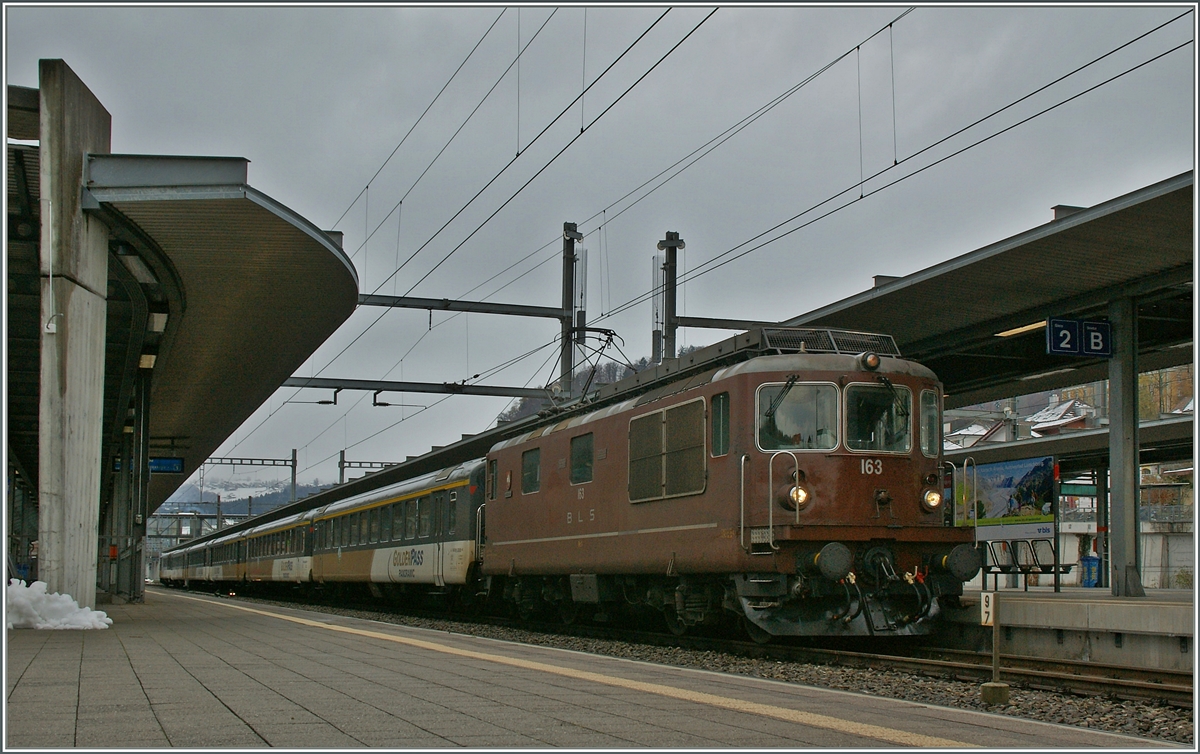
(798, 496)
(931, 500)
(869, 360)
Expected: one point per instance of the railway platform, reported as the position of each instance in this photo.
(1154, 632)
(183, 670)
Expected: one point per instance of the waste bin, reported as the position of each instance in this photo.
(1089, 571)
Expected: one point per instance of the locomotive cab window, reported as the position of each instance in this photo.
(931, 424)
(493, 477)
(797, 416)
(720, 424)
(531, 471)
(878, 418)
(581, 459)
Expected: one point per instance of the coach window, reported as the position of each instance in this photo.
(410, 519)
(795, 416)
(385, 526)
(878, 417)
(581, 459)
(452, 513)
(493, 477)
(531, 471)
(720, 424)
(931, 424)
(344, 521)
(376, 513)
(426, 517)
(397, 521)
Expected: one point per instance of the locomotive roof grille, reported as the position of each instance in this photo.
(768, 340)
(829, 341)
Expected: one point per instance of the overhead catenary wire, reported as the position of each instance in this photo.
(725, 258)
(385, 281)
(989, 116)
(541, 133)
(368, 237)
(561, 151)
(396, 423)
(728, 133)
(699, 271)
(368, 232)
(721, 138)
(422, 115)
(702, 151)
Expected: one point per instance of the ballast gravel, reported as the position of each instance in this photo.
(1151, 720)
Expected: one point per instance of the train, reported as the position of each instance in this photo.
(788, 480)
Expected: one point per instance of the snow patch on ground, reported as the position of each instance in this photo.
(29, 606)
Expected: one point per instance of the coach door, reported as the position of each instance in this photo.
(439, 535)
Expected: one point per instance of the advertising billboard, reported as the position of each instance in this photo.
(1009, 500)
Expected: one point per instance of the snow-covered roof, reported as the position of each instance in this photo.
(1074, 408)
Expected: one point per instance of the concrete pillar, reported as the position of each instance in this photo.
(74, 271)
(1123, 451)
(139, 483)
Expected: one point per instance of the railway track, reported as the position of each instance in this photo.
(1063, 676)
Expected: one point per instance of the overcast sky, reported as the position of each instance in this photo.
(318, 98)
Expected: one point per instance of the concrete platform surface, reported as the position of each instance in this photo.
(184, 670)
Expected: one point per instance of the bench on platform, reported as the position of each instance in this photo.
(1021, 556)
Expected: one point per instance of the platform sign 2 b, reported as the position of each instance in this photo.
(1075, 337)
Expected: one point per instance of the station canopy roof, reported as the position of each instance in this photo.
(950, 316)
(217, 293)
(252, 289)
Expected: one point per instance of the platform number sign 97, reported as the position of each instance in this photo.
(987, 608)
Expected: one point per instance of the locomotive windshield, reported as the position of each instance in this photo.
(797, 417)
(878, 418)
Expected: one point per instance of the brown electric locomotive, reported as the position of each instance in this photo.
(787, 477)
